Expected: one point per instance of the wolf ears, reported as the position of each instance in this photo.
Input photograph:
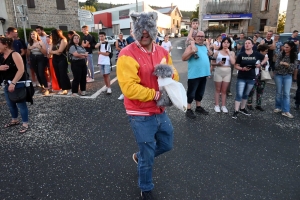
(134, 15)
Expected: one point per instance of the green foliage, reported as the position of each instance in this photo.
(213, 31)
(195, 14)
(183, 30)
(281, 22)
(90, 8)
(186, 13)
(186, 34)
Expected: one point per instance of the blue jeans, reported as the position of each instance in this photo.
(283, 86)
(13, 106)
(154, 136)
(243, 88)
(90, 65)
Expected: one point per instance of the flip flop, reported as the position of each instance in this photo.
(10, 124)
(23, 129)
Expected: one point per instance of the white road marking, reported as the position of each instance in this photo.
(179, 47)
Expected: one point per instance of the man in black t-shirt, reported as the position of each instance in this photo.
(272, 46)
(294, 38)
(87, 43)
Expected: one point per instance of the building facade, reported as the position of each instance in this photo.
(237, 16)
(175, 14)
(62, 14)
(292, 21)
(115, 20)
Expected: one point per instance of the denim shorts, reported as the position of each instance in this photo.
(243, 88)
(105, 69)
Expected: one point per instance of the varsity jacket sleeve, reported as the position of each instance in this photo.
(129, 81)
(175, 72)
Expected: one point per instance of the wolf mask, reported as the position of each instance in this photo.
(144, 21)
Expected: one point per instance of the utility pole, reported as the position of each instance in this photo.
(200, 14)
(136, 3)
(23, 18)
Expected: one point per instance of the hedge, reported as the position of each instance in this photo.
(48, 31)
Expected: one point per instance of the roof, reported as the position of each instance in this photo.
(168, 10)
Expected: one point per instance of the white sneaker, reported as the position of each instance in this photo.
(105, 89)
(82, 93)
(108, 91)
(75, 95)
(217, 109)
(287, 114)
(121, 97)
(224, 109)
(277, 110)
(90, 80)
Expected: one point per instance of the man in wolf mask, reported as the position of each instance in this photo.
(152, 127)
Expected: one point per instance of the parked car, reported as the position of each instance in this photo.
(177, 35)
(284, 36)
(110, 40)
(172, 35)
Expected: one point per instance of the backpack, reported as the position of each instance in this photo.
(110, 53)
(93, 42)
(70, 56)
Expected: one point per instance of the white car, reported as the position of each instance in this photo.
(110, 40)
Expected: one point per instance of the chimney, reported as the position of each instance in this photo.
(171, 6)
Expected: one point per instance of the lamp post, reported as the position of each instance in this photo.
(200, 14)
(23, 18)
(136, 5)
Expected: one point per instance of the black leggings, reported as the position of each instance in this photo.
(79, 70)
(38, 64)
(60, 65)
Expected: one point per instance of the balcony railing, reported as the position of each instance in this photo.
(231, 6)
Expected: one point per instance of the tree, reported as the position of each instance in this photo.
(90, 8)
(195, 13)
(91, 2)
(281, 22)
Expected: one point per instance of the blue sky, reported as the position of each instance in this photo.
(183, 5)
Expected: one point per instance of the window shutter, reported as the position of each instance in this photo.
(30, 4)
(63, 28)
(60, 4)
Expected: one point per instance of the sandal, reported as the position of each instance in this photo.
(23, 129)
(11, 123)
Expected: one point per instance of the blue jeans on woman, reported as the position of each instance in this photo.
(154, 136)
(283, 86)
(13, 107)
(243, 88)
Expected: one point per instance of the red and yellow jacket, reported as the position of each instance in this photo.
(135, 68)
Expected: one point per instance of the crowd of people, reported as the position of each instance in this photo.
(136, 58)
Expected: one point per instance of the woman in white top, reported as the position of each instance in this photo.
(225, 57)
(217, 43)
(166, 44)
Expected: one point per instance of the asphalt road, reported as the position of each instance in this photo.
(81, 148)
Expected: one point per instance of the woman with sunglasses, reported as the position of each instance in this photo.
(285, 65)
(12, 72)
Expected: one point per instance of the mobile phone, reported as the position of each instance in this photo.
(224, 60)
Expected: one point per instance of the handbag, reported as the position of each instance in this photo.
(18, 95)
(265, 75)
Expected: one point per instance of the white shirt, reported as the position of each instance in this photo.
(218, 45)
(299, 56)
(166, 46)
(104, 60)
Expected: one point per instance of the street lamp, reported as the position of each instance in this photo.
(23, 18)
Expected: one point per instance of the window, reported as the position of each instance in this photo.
(173, 21)
(265, 5)
(234, 26)
(60, 4)
(33, 26)
(63, 28)
(30, 4)
(262, 24)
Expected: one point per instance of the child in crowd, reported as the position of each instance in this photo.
(190, 39)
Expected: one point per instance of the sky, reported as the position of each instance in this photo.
(189, 5)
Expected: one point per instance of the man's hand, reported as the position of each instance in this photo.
(164, 99)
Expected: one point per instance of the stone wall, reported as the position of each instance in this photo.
(292, 16)
(46, 14)
(271, 15)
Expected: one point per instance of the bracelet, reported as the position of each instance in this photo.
(13, 83)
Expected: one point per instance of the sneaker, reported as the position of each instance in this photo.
(244, 111)
(46, 92)
(235, 114)
(108, 91)
(250, 107)
(190, 114)
(75, 95)
(217, 109)
(201, 110)
(135, 159)
(224, 109)
(147, 195)
(196, 56)
(121, 97)
(105, 89)
(82, 93)
(259, 108)
(63, 92)
(287, 114)
(90, 80)
(277, 110)
(229, 94)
